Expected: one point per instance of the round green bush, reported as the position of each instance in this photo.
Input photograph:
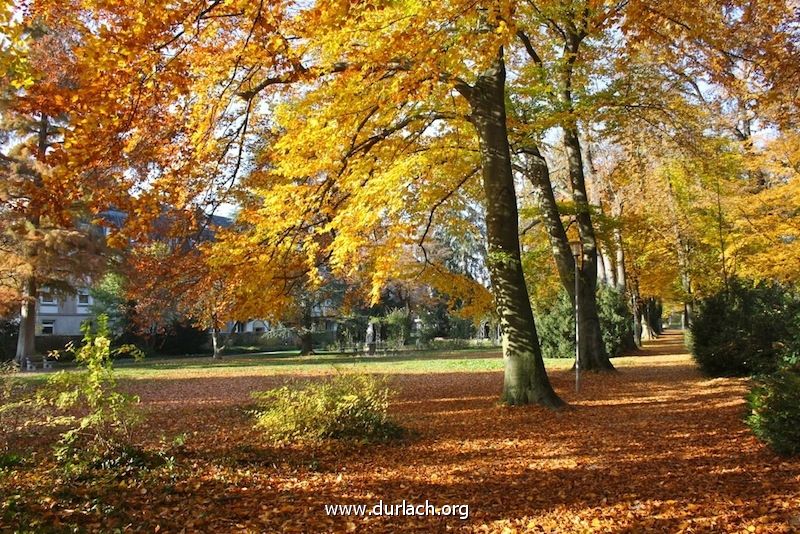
(744, 329)
(555, 324)
(616, 320)
(775, 411)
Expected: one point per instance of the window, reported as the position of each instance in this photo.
(48, 327)
(83, 298)
(46, 297)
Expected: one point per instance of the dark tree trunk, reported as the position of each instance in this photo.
(306, 342)
(637, 318)
(653, 310)
(525, 379)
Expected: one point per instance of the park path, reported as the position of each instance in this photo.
(655, 447)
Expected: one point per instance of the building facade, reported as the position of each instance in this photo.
(59, 315)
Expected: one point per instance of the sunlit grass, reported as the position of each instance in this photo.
(290, 363)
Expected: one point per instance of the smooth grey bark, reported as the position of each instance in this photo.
(592, 351)
(26, 338)
(525, 380)
(216, 345)
(621, 277)
(593, 354)
(637, 317)
(538, 174)
(611, 270)
(602, 270)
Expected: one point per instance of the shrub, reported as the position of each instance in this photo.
(274, 339)
(105, 416)
(182, 338)
(556, 324)
(398, 327)
(616, 320)
(348, 406)
(774, 416)
(744, 330)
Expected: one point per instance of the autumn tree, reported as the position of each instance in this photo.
(436, 65)
(46, 237)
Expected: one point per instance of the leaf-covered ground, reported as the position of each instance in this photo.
(656, 447)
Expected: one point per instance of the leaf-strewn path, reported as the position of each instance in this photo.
(655, 447)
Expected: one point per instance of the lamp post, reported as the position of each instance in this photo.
(577, 252)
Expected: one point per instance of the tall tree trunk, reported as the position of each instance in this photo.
(525, 379)
(683, 249)
(611, 270)
(26, 339)
(636, 304)
(27, 326)
(215, 343)
(592, 351)
(602, 269)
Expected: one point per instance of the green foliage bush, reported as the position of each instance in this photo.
(616, 320)
(745, 330)
(398, 327)
(555, 324)
(774, 405)
(347, 406)
(440, 321)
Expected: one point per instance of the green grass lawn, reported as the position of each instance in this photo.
(281, 363)
(290, 363)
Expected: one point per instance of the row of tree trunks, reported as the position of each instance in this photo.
(683, 249)
(592, 352)
(610, 262)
